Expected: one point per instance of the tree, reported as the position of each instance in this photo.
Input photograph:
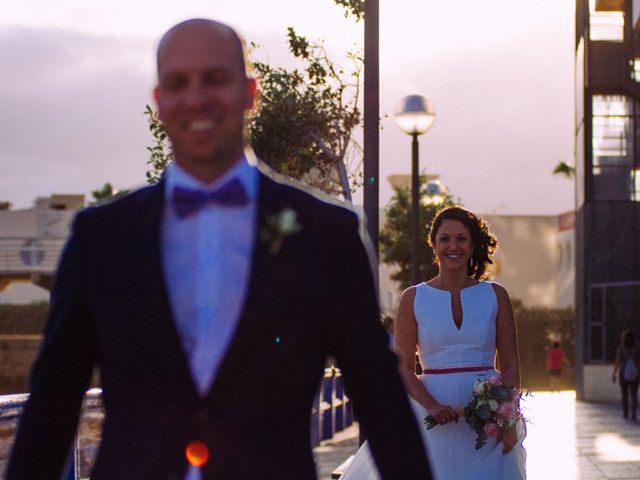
(160, 152)
(395, 233)
(565, 170)
(106, 193)
(307, 116)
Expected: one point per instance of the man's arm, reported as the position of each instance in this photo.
(59, 377)
(370, 368)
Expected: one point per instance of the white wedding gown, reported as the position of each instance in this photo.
(451, 447)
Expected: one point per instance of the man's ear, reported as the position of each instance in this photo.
(156, 98)
(252, 89)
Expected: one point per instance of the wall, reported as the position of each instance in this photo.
(598, 386)
(17, 353)
(528, 262)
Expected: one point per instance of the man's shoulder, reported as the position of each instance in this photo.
(134, 202)
(283, 192)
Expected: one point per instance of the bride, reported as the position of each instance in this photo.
(463, 328)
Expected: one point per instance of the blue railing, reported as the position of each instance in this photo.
(331, 413)
(331, 410)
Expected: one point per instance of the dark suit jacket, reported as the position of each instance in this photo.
(110, 309)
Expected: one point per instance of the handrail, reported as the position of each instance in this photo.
(29, 255)
(12, 406)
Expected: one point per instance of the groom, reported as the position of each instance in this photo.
(210, 303)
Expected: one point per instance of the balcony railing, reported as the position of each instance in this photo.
(26, 255)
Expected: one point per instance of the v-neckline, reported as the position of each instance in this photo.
(453, 319)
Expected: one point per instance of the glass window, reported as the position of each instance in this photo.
(605, 26)
(613, 308)
(613, 147)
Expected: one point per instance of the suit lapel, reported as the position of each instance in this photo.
(148, 238)
(268, 203)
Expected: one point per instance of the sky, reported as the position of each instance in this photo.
(76, 77)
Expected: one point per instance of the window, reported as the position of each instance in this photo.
(613, 308)
(613, 147)
(605, 26)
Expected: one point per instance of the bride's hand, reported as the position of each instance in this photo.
(442, 413)
(509, 439)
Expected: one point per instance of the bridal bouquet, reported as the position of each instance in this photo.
(493, 408)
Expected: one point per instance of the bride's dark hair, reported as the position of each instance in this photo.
(484, 242)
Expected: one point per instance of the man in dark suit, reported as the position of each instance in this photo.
(210, 303)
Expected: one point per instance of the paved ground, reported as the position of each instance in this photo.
(566, 439)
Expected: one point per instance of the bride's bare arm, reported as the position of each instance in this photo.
(507, 347)
(406, 339)
(506, 341)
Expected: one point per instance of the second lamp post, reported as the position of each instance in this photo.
(414, 116)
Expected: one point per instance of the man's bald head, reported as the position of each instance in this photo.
(216, 31)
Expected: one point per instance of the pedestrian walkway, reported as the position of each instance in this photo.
(566, 440)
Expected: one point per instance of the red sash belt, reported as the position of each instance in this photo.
(438, 371)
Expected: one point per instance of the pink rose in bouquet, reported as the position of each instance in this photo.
(491, 429)
(506, 410)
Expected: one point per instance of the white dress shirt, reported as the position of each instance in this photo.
(206, 263)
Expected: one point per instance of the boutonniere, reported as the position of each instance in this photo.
(279, 226)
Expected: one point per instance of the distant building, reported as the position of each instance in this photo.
(30, 244)
(607, 161)
(534, 259)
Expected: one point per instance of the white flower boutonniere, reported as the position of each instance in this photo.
(279, 226)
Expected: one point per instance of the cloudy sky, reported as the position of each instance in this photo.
(77, 75)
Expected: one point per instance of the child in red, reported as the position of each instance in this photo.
(555, 359)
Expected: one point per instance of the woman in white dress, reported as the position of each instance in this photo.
(463, 328)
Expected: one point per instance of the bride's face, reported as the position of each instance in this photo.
(453, 245)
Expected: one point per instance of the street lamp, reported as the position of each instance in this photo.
(414, 116)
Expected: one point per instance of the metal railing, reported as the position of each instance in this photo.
(332, 410)
(24, 255)
(11, 407)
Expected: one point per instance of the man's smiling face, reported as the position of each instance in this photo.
(202, 96)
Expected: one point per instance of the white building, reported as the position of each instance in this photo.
(30, 244)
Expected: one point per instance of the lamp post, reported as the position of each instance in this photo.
(414, 116)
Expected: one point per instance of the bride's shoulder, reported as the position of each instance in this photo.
(497, 287)
(409, 293)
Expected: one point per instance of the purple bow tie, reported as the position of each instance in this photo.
(186, 201)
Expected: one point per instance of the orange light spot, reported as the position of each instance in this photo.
(197, 454)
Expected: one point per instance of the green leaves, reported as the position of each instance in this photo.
(352, 7)
(565, 170)
(307, 116)
(160, 150)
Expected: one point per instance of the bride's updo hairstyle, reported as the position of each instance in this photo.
(484, 242)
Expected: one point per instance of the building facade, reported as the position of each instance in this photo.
(607, 160)
(30, 244)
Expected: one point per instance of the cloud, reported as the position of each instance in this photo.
(71, 111)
